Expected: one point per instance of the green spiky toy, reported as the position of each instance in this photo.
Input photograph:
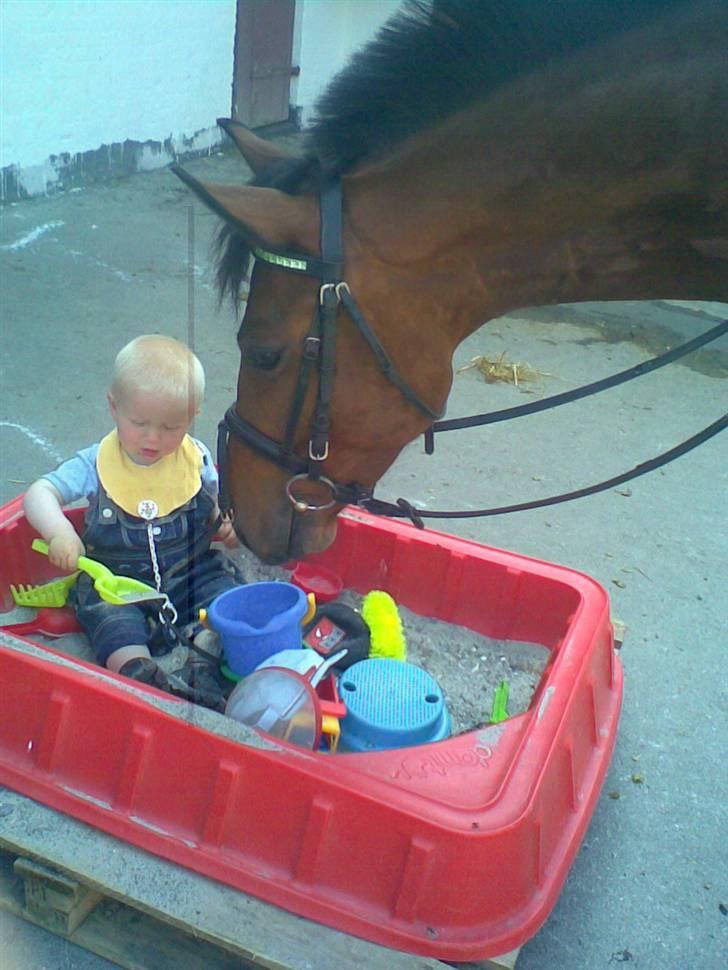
(380, 613)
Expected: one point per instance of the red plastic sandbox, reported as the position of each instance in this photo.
(456, 850)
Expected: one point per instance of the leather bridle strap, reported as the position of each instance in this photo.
(319, 347)
(266, 447)
(382, 357)
(331, 242)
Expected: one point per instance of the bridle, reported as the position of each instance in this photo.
(319, 348)
(319, 352)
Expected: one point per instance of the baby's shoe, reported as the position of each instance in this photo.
(146, 671)
(208, 641)
(201, 684)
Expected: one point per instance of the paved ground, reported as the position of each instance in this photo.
(84, 272)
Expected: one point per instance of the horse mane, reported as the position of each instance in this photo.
(430, 60)
(436, 57)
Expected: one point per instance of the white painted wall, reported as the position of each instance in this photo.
(81, 74)
(78, 75)
(330, 31)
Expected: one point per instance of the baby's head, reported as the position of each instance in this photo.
(156, 390)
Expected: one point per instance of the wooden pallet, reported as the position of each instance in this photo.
(144, 913)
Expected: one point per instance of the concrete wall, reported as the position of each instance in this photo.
(97, 88)
(330, 31)
(107, 86)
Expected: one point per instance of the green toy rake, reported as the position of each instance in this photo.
(54, 593)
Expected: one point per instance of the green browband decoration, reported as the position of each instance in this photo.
(287, 262)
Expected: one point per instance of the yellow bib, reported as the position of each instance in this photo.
(149, 491)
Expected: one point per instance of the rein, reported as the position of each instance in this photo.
(319, 348)
(403, 509)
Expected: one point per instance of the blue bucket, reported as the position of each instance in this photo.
(257, 620)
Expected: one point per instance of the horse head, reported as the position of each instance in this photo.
(574, 155)
(372, 417)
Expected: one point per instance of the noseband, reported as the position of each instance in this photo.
(319, 352)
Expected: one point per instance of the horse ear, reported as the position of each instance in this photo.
(262, 216)
(259, 154)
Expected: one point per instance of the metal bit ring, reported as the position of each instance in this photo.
(301, 506)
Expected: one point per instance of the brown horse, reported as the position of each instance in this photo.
(491, 156)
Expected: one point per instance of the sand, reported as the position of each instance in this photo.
(467, 666)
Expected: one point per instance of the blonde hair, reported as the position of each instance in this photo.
(158, 364)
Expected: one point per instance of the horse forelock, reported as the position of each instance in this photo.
(233, 260)
(434, 58)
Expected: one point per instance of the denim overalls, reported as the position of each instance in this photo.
(192, 574)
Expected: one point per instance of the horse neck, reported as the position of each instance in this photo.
(596, 180)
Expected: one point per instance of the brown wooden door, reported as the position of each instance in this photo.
(263, 50)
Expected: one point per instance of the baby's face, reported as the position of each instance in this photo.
(150, 427)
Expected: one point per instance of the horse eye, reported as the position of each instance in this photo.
(262, 358)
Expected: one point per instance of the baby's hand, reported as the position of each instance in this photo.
(226, 535)
(64, 550)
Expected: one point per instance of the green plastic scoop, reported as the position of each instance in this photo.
(119, 590)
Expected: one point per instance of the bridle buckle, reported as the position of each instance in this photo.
(325, 290)
(322, 456)
(311, 347)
